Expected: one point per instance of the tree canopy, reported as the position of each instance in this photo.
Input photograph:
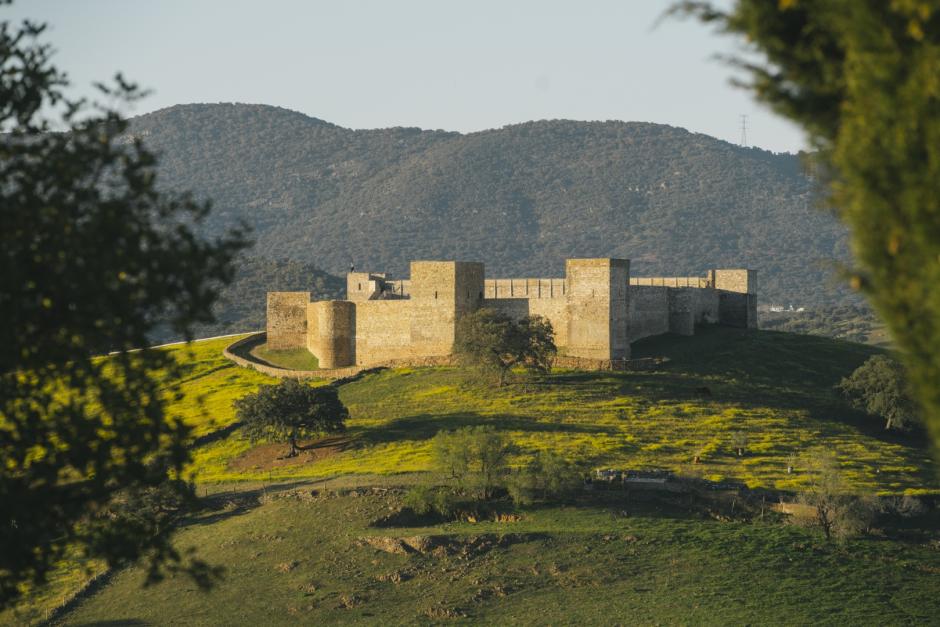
(94, 254)
(289, 410)
(493, 343)
(860, 76)
(880, 388)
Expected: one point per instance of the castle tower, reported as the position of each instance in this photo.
(737, 296)
(598, 308)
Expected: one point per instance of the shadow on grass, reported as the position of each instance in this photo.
(224, 505)
(426, 426)
(120, 622)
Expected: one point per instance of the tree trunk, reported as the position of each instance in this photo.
(293, 445)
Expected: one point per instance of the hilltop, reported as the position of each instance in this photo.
(291, 531)
(522, 198)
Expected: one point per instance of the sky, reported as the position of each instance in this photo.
(458, 66)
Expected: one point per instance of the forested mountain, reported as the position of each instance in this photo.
(521, 198)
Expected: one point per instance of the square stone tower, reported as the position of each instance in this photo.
(598, 308)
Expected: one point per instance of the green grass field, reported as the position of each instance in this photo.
(293, 359)
(291, 561)
(777, 388)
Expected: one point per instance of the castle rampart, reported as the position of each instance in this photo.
(596, 310)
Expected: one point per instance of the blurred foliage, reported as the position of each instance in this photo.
(861, 76)
(93, 255)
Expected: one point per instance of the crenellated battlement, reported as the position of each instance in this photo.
(596, 310)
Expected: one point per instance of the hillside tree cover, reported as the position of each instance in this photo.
(493, 343)
(93, 255)
(879, 387)
(522, 198)
(290, 410)
(861, 77)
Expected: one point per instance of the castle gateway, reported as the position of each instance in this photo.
(597, 310)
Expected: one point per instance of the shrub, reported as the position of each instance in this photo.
(827, 504)
(474, 459)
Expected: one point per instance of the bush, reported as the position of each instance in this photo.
(827, 504)
(425, 499)
(549, 475)
(474, 459)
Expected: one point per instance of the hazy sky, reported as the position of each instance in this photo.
(461, 66)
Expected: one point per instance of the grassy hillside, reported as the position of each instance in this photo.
(774, 387)
(593, 561)
(522, 197)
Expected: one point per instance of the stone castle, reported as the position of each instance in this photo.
(596, 310)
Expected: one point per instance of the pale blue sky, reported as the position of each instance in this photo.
(461, 66)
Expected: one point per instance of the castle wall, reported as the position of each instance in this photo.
(524, 288)
(598, 309)
(741, 281)
(424, 325)
(737, 310)
(682, 309)
(649, 311)
(672, 281)
(287, 319)
(706, 306)
(331, 328)
(555, 310)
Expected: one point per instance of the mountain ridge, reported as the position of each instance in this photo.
(521, 198)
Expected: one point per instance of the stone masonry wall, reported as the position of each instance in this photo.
(598, 310)
(287, 319)
(649, 311)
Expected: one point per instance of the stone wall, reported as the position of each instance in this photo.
(737, 310)
(423, 325)
(649, 311)
(682, 309)
(287, 319)
(598, 311)
(672, 281)
(741, 281)
(524, 288)
(331, 326)
(555, 310)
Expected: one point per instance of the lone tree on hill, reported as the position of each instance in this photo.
(493, 343)
(289, 410)
(95, 256)
(860, 78)
(879, 387)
